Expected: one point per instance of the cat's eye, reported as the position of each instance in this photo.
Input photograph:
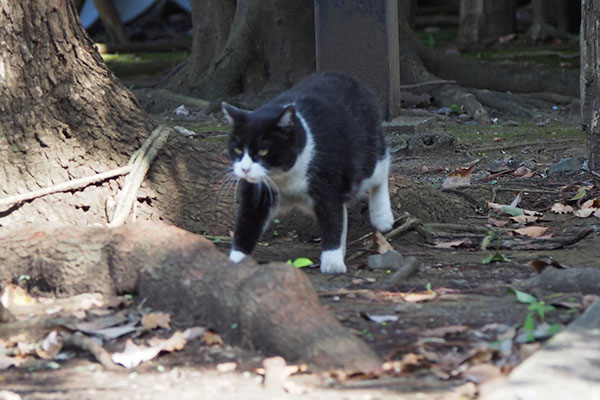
(263, 152)
(237, 150)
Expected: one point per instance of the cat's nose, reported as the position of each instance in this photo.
(246, 170)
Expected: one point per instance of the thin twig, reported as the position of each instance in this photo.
(514, 145)
(415, 85)
(85, 343)
(409, 224)
(74, 184)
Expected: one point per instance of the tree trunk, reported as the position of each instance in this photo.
(111, 20)
(550, 19)
(263, 46)
(62, 113)
(482, 21)
(271, 307)
(590, 78)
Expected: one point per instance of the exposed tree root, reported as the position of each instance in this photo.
(271, 307)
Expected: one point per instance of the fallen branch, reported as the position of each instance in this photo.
(522, 144)
(410, 223)
(140, 162)
(408, 268)
(75, 184)
(80, 341)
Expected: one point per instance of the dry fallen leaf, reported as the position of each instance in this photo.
(176, 342)
(7, 362)
(539, 265)
(517, 200)
(194, 332)
(156, 320)
(592, 203)
(532, 231)
(559, 208)
(13, 295)
(584, 212)
(410, 362)
(496, 222)
(211, 338)
(525, 219)
(523, 172)
(458, 177)
(481, 373)
(133, 355)
(381, 243)
(50, 346)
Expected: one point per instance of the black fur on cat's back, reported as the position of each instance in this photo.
(343, 118)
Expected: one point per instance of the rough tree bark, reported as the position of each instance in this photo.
(64, 115)
(482, 21)
(550, 19)
(248, 46)
(590, 78)
(271, 307)
(62, 112)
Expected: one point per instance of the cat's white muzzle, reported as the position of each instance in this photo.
(249, 170)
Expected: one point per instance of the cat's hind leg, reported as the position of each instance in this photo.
(380, 209)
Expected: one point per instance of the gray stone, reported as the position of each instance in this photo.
(390, 260)
(405, 124)
(567, 165)
(361, 38)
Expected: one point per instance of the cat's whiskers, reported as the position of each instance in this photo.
(229, 180)
(271, 187)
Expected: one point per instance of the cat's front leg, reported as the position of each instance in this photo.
(333, 221)
(256, 206)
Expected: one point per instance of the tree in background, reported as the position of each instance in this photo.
(63, 114)
(590, 78)
(262, 47)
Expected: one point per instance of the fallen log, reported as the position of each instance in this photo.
(272, 307)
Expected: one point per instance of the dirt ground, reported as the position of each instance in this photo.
(452, 321)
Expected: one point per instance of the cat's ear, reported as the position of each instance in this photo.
(287, 118)
(233, 114)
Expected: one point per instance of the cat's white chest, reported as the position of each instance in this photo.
(293, 184)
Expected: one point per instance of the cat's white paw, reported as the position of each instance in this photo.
(236, 256)
(332, 262)
(383, 220)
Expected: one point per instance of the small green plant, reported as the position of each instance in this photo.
(496, 256)
(537, 310)
(430, 40)
(456, 108)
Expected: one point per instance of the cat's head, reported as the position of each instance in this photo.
(262, 141)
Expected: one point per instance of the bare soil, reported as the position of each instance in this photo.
(453, 314)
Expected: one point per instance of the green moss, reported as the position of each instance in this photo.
(143, 64)
(520, 49)
(523, 133)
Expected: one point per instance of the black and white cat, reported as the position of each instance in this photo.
(316, 146)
